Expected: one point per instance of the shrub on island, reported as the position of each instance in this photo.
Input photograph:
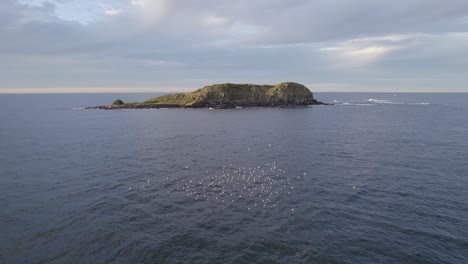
(118, 102)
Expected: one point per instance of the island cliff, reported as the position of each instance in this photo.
(228, 95)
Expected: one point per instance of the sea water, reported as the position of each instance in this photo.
(375, 178)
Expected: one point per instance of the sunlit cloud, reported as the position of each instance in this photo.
(364, 51)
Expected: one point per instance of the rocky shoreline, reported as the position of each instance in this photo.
(220, 106)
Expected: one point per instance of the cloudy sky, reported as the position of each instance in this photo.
(178, 45)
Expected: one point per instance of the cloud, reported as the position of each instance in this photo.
(140, 43)
(109, 10)
(364, 51)
(138, 3)
(212, 20)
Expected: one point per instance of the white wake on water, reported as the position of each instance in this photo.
(376, 102)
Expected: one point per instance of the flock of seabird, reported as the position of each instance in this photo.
(255, 187)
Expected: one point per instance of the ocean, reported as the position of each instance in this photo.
(375, 178)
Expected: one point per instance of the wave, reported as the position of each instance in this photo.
(419, 103)
(358, 104)
(376, 102)
(379, 101)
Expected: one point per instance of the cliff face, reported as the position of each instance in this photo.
(244, 95)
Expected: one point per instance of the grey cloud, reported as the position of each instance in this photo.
(256, 40)
(278, 22)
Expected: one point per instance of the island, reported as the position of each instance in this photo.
(228, 95)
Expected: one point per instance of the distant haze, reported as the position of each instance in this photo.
(179, 45)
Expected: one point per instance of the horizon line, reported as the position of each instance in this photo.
(104, 90)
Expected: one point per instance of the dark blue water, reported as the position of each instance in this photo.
(377, 178)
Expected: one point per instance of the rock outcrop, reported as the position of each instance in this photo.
(230, 95)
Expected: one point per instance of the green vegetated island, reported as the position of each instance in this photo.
(228, 95)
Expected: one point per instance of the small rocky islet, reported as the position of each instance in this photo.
(228, 95)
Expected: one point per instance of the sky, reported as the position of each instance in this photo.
(179, 45)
